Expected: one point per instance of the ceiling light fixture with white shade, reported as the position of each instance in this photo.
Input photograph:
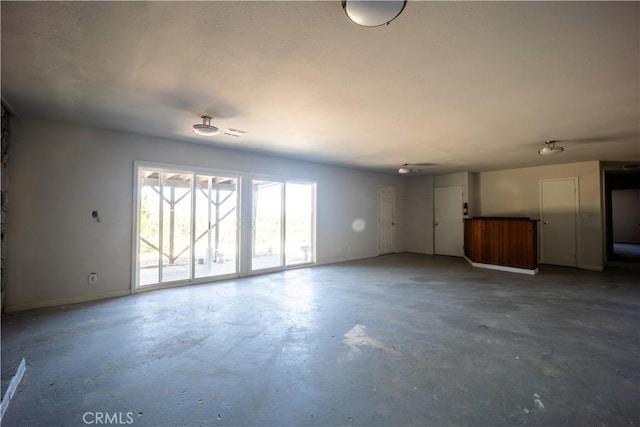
(205, 128)
(550, 148)
(413, 168)
(373, 13)
(404, 169)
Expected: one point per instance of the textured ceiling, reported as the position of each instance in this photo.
(442, 84)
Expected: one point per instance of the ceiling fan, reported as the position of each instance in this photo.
(412, 168)
(207, 129)
(550, 146)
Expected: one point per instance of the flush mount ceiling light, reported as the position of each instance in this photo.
(205, 128)
(404, 169)
(550, 148)
(373, 13)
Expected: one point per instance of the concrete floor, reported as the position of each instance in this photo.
(396, 340)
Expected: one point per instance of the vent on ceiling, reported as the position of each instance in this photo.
(235, 132)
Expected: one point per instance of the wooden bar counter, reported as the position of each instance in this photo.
(502, 243)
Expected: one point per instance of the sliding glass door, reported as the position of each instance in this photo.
(283, 224)
(187, 226)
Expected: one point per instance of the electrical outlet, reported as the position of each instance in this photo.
(93, 278)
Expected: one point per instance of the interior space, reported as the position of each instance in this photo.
(320, 213)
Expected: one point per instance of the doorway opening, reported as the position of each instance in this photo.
(622, 213)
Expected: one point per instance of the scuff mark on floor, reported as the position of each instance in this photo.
(537, 402)
(356, 338)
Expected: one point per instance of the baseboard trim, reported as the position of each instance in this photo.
(503, 268)
(418, 252)
(339, 260)
(12, 308)
(592, 267)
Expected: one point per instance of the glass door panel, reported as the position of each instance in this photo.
(176, 227)
(216, 226)
(267, 225)
(299, 208)
(187, 226)
(149, 255)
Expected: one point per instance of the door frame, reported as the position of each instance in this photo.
(576, 189)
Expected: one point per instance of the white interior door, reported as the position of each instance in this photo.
(386, 219)
(448, 226)
(558, 210)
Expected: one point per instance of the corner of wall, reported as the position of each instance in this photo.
(473, 198)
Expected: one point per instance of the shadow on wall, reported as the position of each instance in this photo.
(6, 132)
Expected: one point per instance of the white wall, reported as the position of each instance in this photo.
(515, 192)
(470, 188)
(419, 232)
(450, 180)
(60, 173)
(419, 214)
(473, 180)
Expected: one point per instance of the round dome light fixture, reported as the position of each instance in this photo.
(404, 169)
(205, 128)
(550, 148)
(373, 13)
